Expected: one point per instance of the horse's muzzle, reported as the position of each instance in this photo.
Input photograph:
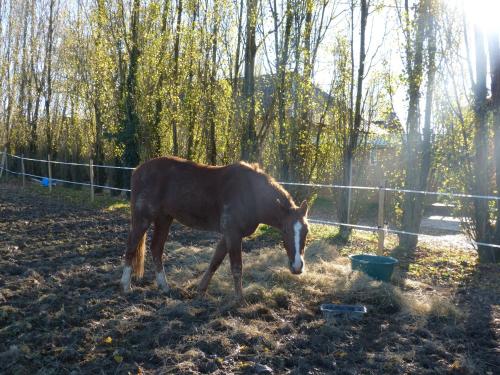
(296, 271)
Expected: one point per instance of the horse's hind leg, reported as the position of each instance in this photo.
(134, 255)
(161, 228)
(219, 255)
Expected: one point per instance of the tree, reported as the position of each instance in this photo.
(281, 87)
(175, 76)
(418, 150)
(129, 134)
(211, 147)
(158, 109)
(249, 147)
(48, 65)
(355, 118)
(494, 53)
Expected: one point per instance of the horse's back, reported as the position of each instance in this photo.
(189, 192)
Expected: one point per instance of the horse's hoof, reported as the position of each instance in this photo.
(161, 282)
(126, 289)
(200, 294)
(164, 288)
(240, 302)
(126, 278)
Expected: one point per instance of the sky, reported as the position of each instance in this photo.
(484, 13)
(383, 26)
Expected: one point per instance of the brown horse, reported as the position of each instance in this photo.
(232, 200)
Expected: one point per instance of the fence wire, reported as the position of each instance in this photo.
(3, 167)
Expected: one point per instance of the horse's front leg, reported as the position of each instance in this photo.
(234, 248)
(219, 255)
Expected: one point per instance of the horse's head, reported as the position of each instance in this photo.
(294, 229)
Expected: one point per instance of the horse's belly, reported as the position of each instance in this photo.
(203, 219)
(193, 206)
(198, 220)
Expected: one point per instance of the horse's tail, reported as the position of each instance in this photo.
(138, 259)
(139, 251)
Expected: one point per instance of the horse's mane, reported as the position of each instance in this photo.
(284, 195)
(255, 166)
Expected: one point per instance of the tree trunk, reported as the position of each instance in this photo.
(192, 117)
(353, 134)
(494, 52)
(412, 181)
(98, 152)
(131, 154)
(249, 147)
(24, 63)
(48, 62)
(155, 126)
(211, 142)
(426, 160)
(280, 91)
(175, 141)
(480, 183)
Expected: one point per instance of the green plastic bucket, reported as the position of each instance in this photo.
(376, 266)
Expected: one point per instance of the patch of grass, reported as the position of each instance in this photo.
(281, 297)
(266, 232)
(466, 364)
(442, 266)
(79, 196)
(118, 206)
(255, 293)
(322, 202)
(318, 231)
(441, 308)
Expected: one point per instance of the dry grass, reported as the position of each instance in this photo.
(328, 278)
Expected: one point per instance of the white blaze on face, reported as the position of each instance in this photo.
(298, 261)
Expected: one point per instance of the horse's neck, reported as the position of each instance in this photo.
(271, 212)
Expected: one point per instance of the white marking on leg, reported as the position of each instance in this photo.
(126, 277)
(299, 260)
(161, 281)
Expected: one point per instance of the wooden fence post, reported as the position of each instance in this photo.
(380, 223)
(4, 160)
(91, 172)
(49, 164)
(23, 171)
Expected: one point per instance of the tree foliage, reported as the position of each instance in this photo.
(216, 81)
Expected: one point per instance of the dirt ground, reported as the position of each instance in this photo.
(61, 310)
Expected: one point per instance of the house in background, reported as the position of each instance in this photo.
(382, 144)
(380, 140)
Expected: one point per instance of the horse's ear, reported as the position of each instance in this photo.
(304, 208)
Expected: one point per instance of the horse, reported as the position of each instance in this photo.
(232, 200)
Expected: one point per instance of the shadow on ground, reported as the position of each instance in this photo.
(61, 310)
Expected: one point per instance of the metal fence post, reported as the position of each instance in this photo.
(91, 172)
(380, 222)
(4, 160)
(23, 171)
(349, 195)
(49, 164)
